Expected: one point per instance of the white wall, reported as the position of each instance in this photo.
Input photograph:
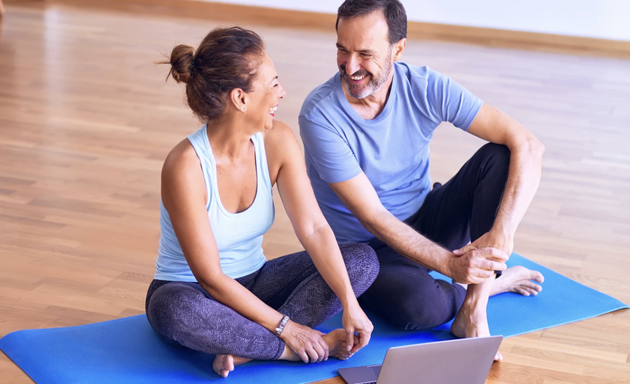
(606, 19)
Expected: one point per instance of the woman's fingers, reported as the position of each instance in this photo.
(325, 347)
(303, 355)
(349, 338)
(314, 355)
(361, 340)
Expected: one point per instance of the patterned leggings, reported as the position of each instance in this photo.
(184, 313)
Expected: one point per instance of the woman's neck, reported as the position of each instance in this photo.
(229, 137)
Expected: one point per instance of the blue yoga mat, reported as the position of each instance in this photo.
(128, 351)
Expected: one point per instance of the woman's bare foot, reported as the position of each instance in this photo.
(224, 364)
(518, 279)
(471, 319)
(337, 346)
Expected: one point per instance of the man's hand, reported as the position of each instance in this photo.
(476, 265)
(492, 239)
(305, 342)
(355, 320)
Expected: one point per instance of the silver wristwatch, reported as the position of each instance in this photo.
(282, 324)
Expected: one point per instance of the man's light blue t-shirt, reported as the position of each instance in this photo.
(391, 149)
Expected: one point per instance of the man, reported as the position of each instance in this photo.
(366, 135)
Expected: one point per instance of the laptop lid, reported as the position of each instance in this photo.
(446, 362)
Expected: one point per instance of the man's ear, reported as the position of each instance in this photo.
(238, 98)
(399, 49)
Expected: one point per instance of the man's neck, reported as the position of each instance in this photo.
(371, 106)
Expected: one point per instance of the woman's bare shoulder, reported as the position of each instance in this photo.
(181, 157)
(181, 173)
(279, 136)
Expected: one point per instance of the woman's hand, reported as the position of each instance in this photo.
(358, 327)
(306, 342)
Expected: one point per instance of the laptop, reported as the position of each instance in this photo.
(445, 362)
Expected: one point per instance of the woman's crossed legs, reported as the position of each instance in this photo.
(186, 314)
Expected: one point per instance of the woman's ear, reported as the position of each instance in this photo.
(238, 97)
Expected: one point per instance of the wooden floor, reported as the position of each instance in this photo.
(86, 120)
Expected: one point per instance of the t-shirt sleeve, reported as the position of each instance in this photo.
(327, 151)
(451, 102)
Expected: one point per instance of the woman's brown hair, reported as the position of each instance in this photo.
(227, 58)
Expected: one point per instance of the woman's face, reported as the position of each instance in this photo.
(264, 99)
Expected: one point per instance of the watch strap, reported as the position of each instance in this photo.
(283, 323)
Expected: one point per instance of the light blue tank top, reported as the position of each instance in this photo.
(238, 235)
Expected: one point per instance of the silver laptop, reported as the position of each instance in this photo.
(445, 362)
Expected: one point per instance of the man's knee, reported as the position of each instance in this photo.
(412, 300)
(496, 154)
(362, 265)
(414, 312)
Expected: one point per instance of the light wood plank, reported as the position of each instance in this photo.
(86, 120)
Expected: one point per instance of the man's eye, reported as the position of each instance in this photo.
(366, 55)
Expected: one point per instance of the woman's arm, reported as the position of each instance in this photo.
(313, 230)
(184, 197)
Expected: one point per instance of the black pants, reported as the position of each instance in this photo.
(460, 211)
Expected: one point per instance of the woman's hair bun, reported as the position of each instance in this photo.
(227, 58)
(181, 62)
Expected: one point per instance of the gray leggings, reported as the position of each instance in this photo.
(186, 314)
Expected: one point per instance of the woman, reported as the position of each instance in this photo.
(213, 290)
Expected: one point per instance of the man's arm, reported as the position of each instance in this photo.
(526, 153)
(474, 267)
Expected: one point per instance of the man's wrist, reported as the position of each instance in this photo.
(503, 231)
(447, 264)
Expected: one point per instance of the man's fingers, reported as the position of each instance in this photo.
(481, 266)
(496, 266)
(496, 254)
(464, 249)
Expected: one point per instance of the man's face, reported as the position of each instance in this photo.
(364, 54)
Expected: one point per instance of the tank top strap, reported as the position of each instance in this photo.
(262, 168)
(201, 145)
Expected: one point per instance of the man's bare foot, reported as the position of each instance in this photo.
(471, 319)
(472, 324)
(224, 364)
(518, 279)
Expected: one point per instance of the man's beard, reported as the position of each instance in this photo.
(361, 92)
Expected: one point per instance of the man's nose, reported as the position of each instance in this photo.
(352, 65)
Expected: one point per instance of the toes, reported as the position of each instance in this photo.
(229, 363)
(223, 365)
(532, 286)
(534, 291)
(537, 276)
(521, 291)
